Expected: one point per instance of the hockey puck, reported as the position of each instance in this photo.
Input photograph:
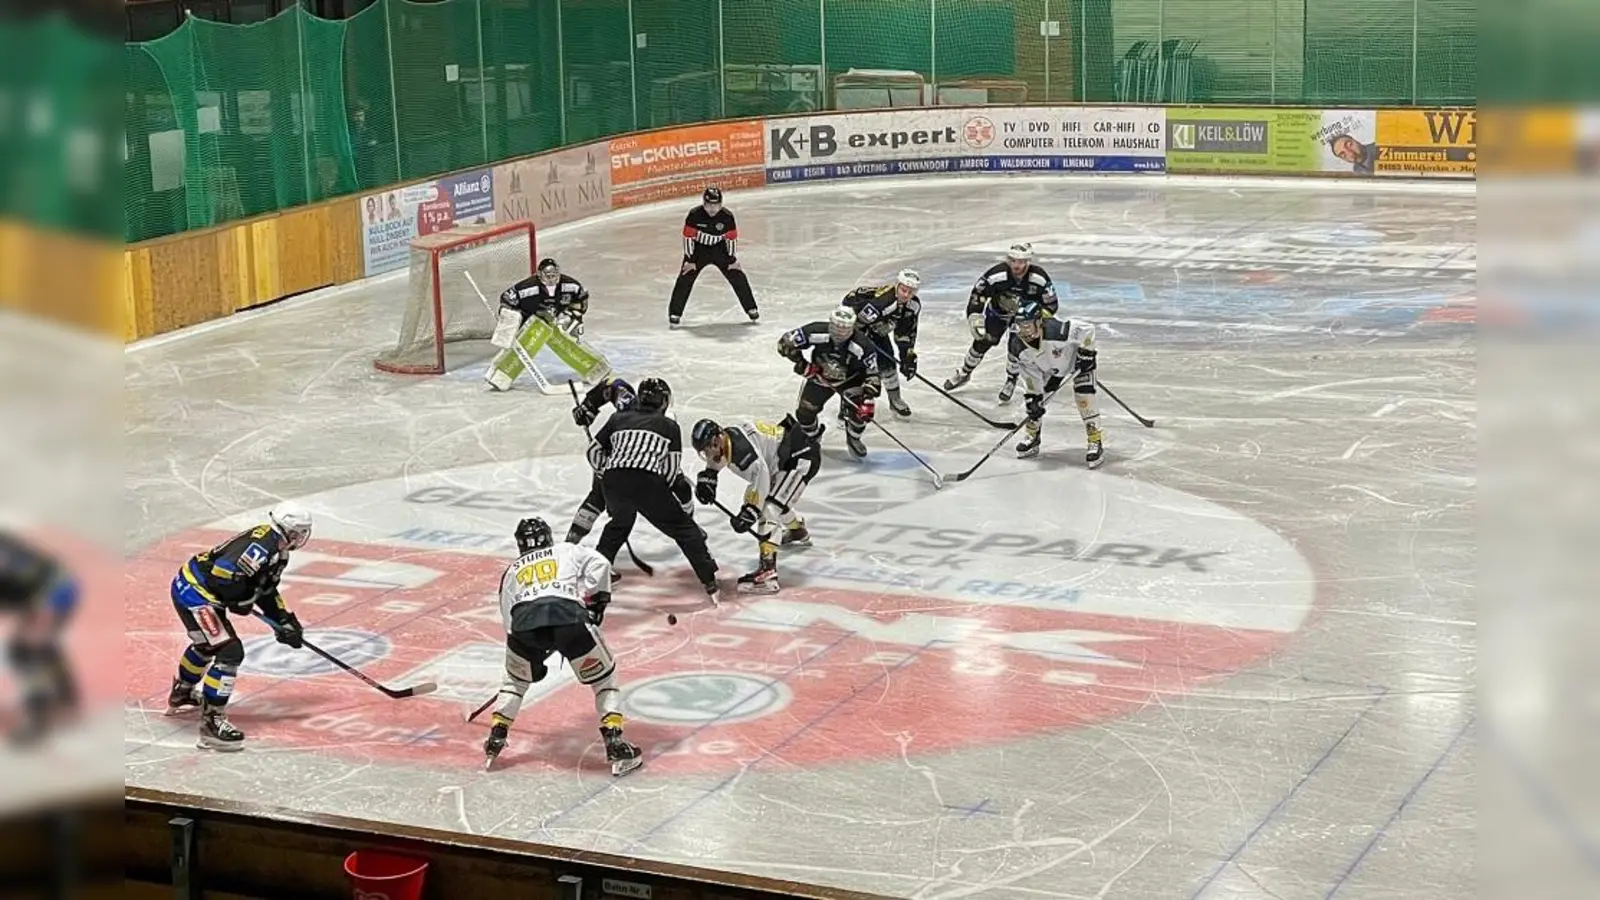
(672, 619)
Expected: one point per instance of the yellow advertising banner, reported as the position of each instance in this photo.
(1433, 142)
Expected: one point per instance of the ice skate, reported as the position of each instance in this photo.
(1007, 389)
(183, 698)
(797, 536)
(1029, 448)
(713, 593)
(496, 743)
(674, 321)
(217, 733)
(755, 315)
(853, 443)
(764, 580)
(1097, 450)
(898, 404)
(958, 379)
(623, 756)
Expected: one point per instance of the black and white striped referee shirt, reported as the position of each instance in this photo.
(631, 439)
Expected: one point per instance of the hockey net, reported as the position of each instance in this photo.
(443, 300)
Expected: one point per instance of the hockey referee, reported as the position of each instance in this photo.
(639, 453)
(710, 238)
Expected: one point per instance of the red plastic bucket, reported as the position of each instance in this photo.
(380, 875)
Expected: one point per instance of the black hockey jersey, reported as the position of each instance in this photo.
(241, 571)
(531, 297)
(1004, 293)
(633, 439)
(839, 364)
(881, 315)
(707, 236)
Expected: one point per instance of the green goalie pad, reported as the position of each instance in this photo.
(508, 365)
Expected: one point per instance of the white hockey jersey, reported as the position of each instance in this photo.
(1056, 355)
(564, 571)
(753, 456)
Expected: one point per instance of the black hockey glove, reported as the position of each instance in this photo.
(746, 519)
(1035, 406)
(908, 364)
(705, 487)
(597, 606)
(1054, 384)
(1086, 360)
(289, 632)
(584, 415)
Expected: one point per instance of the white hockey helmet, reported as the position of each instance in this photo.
(909, 278)
(842, 323)
(1021, 251)
(293, 521)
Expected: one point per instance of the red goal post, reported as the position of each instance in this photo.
(447, 271)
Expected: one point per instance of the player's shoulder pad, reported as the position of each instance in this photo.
(1038, 276)
(1057, 329)
(744, 453)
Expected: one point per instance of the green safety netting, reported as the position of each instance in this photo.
(226, 121)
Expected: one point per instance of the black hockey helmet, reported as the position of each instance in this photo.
(533, 534)
(704, 432)
(1030, 320)
(549, 272)
(654, 395)
(713, 194)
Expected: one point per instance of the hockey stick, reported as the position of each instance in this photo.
(1008, 426)
(1148, 423)
(938, 479)
(486, 704)
(416, 690)
(1005, 426)
(963, 476)
(638, 563)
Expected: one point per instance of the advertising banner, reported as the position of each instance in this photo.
(389, 222)
(471, 196)
(1440, 142)
(677, 161)
(956, 139)
(1269, 141)
(557, 187)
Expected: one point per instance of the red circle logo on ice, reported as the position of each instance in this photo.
(978, 132)
(1026, 601)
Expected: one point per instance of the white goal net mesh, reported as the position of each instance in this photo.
(442, 304)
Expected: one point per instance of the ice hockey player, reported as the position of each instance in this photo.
(841, 362)
(620, 395)
(1049, 350)
(639, 455)
(710, 238)
(555, 297)
(553, 599)
(887, 316)
(778, 461)
(992, 306)
(41, 595)
(232, 577)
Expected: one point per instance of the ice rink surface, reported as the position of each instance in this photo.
(1236, 661)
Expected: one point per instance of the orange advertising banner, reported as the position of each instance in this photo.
(683, 152)
(666, 189)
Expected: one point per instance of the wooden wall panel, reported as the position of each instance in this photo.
(346, 253)
(186, 285)
(300, 241)
(62, 277)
